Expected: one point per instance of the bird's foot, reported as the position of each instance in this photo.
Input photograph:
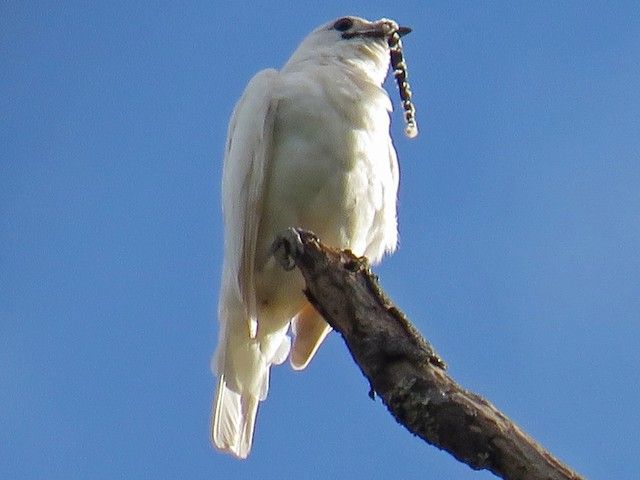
(286, 247)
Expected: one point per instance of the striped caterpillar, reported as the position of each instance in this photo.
(400, 73)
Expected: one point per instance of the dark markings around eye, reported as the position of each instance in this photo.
(400, 73)
(343, 24)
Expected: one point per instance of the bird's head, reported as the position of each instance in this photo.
(352, 41)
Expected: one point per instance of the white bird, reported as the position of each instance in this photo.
(308, 147)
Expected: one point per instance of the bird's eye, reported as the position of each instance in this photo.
(343, 24)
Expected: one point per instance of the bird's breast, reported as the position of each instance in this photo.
(330, 162)
(331, 171)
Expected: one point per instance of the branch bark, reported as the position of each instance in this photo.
(405, 371)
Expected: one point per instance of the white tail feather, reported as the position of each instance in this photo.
(233, 420)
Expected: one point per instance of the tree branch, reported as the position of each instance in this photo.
(404, 370)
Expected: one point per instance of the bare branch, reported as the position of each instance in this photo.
(404, 370)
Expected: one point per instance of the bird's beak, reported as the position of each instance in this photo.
(402, 31)
(380, 29)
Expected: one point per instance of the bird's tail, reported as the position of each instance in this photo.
(243, 366)
(233, 421)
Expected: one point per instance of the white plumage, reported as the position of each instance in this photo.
(309, 147)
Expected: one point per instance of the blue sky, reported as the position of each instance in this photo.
(519, 219)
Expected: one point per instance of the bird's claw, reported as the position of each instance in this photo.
(286, 247)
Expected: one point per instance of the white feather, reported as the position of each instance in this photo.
(248, 147)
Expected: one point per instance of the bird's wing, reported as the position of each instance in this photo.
(390, 193)
(247, 155)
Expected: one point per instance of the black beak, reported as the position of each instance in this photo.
(379, 30)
